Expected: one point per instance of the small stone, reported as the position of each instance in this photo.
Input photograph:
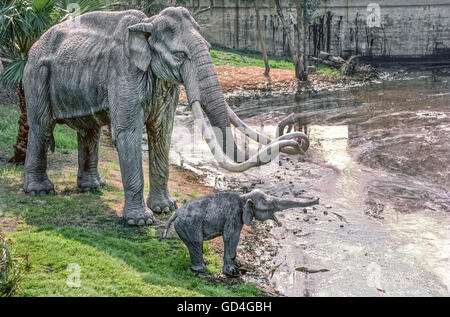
(328, 206)
(311, 69)
(323, 55)
(325, 212)
(342, 226)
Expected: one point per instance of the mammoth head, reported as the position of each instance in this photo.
(162, 42)
(262, 207)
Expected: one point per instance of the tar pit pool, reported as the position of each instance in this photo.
(380, 162)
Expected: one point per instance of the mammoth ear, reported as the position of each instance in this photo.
(248, 212)
(138, 49)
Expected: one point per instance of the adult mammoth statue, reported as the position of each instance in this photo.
(123, 69)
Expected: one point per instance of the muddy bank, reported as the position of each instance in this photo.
(377, 161)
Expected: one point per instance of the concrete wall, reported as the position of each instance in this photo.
(406, 28)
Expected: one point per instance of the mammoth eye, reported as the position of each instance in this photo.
(180, 55)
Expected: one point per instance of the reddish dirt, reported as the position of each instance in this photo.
(251, 78)
(9, 224)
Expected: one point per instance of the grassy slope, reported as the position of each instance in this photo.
(240, 58)
(83, 228)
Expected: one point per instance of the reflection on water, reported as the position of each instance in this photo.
(333, 144)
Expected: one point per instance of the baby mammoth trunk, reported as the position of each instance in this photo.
(282, 204)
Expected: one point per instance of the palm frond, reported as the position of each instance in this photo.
(22, 22)
(13, 72)
(84, 6)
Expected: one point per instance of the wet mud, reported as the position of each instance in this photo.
(379, 161)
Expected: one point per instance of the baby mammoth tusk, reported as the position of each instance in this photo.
(264, 156)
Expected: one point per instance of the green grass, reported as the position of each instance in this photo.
(53, 232)
(65, 137)
(8, 127)
(243, 58)
(326, 70)
(115, 259)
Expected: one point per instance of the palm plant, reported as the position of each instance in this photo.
(11, 269)
(22, 22)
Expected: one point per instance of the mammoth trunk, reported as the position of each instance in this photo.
(202, 84)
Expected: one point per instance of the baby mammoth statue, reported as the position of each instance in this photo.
(225, 213)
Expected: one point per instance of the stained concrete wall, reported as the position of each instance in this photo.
(406, 28)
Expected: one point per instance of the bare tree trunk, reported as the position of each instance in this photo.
(301, 43)
(261, 40)
(294, 50)
(20, 148)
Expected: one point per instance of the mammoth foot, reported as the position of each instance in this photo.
(198, 268)
(90, 182)
(138, 216)
(231, 270)
(39, 187)
(161, 202)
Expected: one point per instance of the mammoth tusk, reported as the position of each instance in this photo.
(260, 138)
(295, 135)
(288, 121)
(264, 156)
(251, 133)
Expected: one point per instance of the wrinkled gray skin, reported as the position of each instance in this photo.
(123, 69)
(224, 214)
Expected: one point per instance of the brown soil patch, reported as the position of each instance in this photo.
(186, 183)
(9, 224)
(252, 78)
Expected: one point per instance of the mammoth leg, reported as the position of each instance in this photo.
(196, 254)
(36, 180)
(193, 239)
(88, 177)
(127, 125)
(128, 144)
(40, 135)
(230, 241)
(159, 132)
